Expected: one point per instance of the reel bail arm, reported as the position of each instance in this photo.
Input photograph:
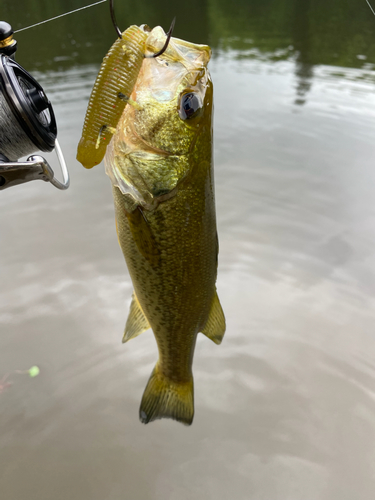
(34, 168)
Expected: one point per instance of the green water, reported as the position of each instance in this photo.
(313, 33)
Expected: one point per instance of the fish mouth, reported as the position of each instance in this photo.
(191, 55)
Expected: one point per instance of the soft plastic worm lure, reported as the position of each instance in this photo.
(112, 89)
(110, 94)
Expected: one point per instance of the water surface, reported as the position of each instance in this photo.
(285, 407)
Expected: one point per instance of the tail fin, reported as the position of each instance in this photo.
(164, 398)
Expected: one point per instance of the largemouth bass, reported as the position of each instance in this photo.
(160, 164)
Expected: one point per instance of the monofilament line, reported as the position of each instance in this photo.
(372, 10)
(61, 15)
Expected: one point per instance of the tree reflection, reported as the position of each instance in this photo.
(302, 45)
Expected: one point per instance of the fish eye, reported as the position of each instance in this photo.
(190, 104)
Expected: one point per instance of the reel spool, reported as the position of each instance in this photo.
(27, 122)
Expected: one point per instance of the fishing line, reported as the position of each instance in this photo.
(61, 15)
(372, 10)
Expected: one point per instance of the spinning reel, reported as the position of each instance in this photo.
(27, 122)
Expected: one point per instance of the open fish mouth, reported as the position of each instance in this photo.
(183, 64)
(191, 55)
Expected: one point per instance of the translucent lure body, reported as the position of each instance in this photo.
(117, 75)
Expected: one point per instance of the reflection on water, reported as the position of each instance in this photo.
(285, 406)
(301, 43)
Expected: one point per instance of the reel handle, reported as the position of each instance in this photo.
(34, 168)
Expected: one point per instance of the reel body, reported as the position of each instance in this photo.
(27, 122)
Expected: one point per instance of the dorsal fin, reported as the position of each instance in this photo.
(214, 329)
(136, 322)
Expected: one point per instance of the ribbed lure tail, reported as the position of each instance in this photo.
(164, 398)
(117, 75)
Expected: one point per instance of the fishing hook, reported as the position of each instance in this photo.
(119, 34)
(169, 34)
(112, 10)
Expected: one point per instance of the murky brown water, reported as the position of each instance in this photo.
(285, 407)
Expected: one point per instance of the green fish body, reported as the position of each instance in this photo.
(160, 163)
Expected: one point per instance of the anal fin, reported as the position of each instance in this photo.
(136, 322)
(214, 329)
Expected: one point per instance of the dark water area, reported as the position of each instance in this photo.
(285, 407)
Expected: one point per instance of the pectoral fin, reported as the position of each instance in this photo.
(143, 236)
(214, 329)
(136, 322)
